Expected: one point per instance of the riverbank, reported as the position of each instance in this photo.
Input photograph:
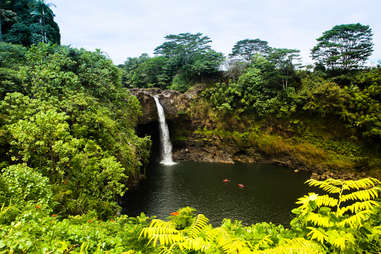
(219, 152)
(326, 147)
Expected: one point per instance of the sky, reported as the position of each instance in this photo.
(128, 28)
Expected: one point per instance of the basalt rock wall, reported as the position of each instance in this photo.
(174, 103)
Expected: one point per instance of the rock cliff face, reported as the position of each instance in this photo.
(174, 103)
(189, 145)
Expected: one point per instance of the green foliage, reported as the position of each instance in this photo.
(28, 22)
(317, 228)
(345, 46)
(358, 104)
(32, 229)
(263, 88)
(69, 119)
(22, 184)
(341, 218)
(247, 48)
(183, 60)
(147, 72)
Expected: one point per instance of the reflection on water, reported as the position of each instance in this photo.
(269, 194)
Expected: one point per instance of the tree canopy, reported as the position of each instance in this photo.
(246, 49)
(346, 46)
(180, 62)
(28, 22)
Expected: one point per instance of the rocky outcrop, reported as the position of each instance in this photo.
(174, 103)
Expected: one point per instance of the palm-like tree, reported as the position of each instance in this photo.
(41, 10)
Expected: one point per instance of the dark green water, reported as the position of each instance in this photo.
(269, 195)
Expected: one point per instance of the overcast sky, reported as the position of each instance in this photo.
(128, 28)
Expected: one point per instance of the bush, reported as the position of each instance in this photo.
(21, 184)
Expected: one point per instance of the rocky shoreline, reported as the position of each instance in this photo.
(213, 154)
(195, 147)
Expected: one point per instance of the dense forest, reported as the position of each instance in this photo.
(69, 148)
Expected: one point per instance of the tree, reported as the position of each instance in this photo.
(345, 47)
(190, 57)
(285, 61)
(27, 22)
(247, 48)
(145, 71)
(184, 44)
(45, 26)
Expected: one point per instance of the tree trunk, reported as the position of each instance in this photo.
(1, 31)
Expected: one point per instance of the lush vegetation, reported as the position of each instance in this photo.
(344, 218)
(327, 115)
(28, 22)
(65, 116)
(180, 62)
(69, 151)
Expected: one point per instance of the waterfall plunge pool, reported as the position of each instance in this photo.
(269, 194)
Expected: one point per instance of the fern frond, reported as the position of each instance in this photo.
(326, 200)
(230, 244)
(317, 234)
(356, 220)
(198, 225)
(194, 244)
(358, 206)
(318, 220)
(265, 241)
(304, 202)
(360, 184)
(295, 246)
(235, 245)
(161, 232)
(340, 240)
(329, 185)
(362, 195)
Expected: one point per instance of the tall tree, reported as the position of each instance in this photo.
(183, 44)
(190, 56)
(28, 22)
(345, 47)
(246, 49)
(43, 12)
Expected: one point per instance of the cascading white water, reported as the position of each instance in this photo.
(166, 146)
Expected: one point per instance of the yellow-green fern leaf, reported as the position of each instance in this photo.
(355, 221)
(360, 184)
(316, 234)
(194, 244)
(362, 195)
(295, 246)
(326, 200)
(198, 225)
(161, 232)
(358, 206)
(329, 185)
(318, 220)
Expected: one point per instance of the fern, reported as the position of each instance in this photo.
(198, 225)
(295, 246)
(317, 234)
(161, 232)
(319, 220)
(358, 206)
(362, 195)
(335, 218)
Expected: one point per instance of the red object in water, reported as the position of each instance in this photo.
(240, 185)
(174, 213)
(226, 180)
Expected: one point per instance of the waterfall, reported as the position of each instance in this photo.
(166, 146)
